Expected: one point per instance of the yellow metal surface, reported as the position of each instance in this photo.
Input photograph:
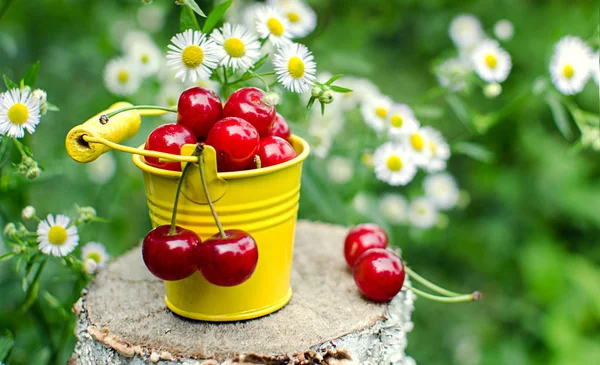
(263, 202)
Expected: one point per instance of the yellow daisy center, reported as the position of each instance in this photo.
(18, 113)
(296, 67)
(123, 76)
(381, 112)
(192, 56)
(234, 47)
(568, 71)
(394, 163)
(417, 142)
(145, 59)
(491, 61)
(421, 211)
(57, 235)
(94, 256)
(275, 26)
(396, 121)
(293, 17)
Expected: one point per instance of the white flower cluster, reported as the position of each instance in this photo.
(476, 53)
(572, 64)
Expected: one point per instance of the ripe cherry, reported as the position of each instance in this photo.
(280, 127)
(379, 274)
(199, 109)
(362, 238)
(236, 142)
(170, 257)
(275, 150)
(168, 138)
(247, 103)
(228, 261)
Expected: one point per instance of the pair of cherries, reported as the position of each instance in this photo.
(245, 127)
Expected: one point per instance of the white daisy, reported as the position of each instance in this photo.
(422, 213)
(569, 65)
(393, 164)
(595, 66)
(440, 150)
(95, 251)
(146, 57)
(55, 237)
(442, 190)
(238, 48)
(452, 74)
(272, 24)
(302, 18)
(121, 77)
(19, 112)
(340, 169)
(360, 203)
(401, 121)
(192, 55)
(394, 208)
(491, 62)
(504, 30)
(102, 170)
(465, 30)
(295, 67)
(375, 111)
(417, 147)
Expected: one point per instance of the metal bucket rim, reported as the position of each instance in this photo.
(139, 162)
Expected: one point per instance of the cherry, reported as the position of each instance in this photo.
(363, 238)
(170, 257)
(275, 150)
(379, 274)
(199, 109)
(236, 142)
(229, 260)
(280, 127)
(168, 138)
(247, 103)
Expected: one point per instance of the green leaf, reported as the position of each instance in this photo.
(194, 6)
(6, 256)
(333, 79)
(460, 109)
(559, 114)
(475, 151)
(339, 89)
(7, 342)
(188, 20)
(260, 62)
(31, 74)
(322, 109)
(10, 84)
(215, 16)
(52, 107)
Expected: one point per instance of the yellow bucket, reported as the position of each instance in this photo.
(263, 202)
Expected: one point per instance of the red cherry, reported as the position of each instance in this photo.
(275, 150)
(280, 127)
(168, 138)
(236, 142)
(170, 257)
(228, 261)
(362, 238)
(379, 274)
(199, 109)
(247, 103)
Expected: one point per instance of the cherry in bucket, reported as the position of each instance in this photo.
(168, 138)
(362, 238)
(236, 143)
(199, 109)
(248, 103)
(275, 150)
(281, 127)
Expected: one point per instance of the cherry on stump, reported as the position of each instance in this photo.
(122, 317)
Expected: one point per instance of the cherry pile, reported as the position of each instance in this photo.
(242, 129)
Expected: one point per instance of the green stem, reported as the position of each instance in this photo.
(140, 107)
(225, 83)
(172, 231)
(429, 284)
(208, 199)
(34, 287)
(463, 298)
(20, 147)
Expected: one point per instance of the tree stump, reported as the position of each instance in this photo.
(123, 319)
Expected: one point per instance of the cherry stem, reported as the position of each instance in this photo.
(429, 284)
(205, 188)
(173, 229)
(459, 299)
(257, 161)
(139, 107)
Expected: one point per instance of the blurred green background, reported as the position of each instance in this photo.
(529, 240)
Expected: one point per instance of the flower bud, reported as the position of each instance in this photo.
(40, 95)
(271, 98)
(86, 214)
(28, 212)
(90, 266)
(492, 90)
(10, 230)
(33, 173)
(316, 91)
(28, 161)
(326, 97)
